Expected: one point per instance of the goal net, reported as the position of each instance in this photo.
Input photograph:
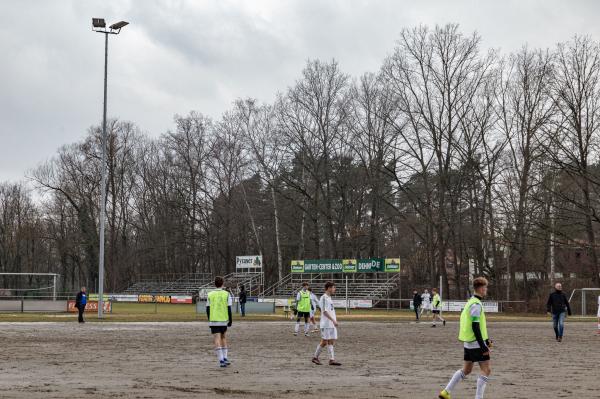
(585, 301)
(28, 285)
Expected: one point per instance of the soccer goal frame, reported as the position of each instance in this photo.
(53, 286)
(584, 292)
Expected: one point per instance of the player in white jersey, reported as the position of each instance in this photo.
(328, 326)
(426, 302)
(314, 304)
(599, 315)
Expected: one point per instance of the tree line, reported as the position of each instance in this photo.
(455, 158)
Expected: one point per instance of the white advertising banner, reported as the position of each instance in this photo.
(457, 306)
(248, 262)
(122, 298)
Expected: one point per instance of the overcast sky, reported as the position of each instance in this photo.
(178, 56)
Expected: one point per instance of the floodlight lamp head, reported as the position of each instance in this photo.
(119, 25)
(98, 23)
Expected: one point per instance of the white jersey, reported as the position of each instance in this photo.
(426, 301)
(314, 301)
(326, 305)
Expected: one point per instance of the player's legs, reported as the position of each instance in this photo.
(416, 312)
(331, 351)
(218, 348)
(306, 325)
(482, 380)
(457, 377)
(320, 347)
(224, 349)
(297, 326)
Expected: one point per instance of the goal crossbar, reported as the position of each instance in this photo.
(53, 275)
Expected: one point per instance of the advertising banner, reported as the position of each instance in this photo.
(122, 298)
(353, 303)
(248, 262)
(392, 265)
(91, 306)
(95, 297)
(181, 299)
(457, 306)
(349, 265)
(145, 298)
(371, 265)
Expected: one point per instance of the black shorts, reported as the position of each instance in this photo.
(218, 329)
(476, 355)
(303, 314)
(435, 311)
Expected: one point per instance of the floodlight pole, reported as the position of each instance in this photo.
(103, 190)
(114, 29)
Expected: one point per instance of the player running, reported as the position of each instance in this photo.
(437, 308)
(473, 333)
(328, 326)
(303, 309)
(314, 303)
(426, 302)
(218, 312)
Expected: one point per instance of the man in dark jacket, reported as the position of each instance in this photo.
(417, 303)
(558, 307)
(80, 302)
(242, 299)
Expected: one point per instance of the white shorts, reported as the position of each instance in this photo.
(426, 306)
(599, 312)
(312, 313)
(329, 333)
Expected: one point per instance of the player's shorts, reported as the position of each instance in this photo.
(426, 306)
(475, 355)
(435, 311)
(303, 314)
(329, 333)
(599, 312)
(218, 329)
(312, 313)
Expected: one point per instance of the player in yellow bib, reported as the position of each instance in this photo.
(218, 312)
(474, 336)
(303, 307)
(436, 308)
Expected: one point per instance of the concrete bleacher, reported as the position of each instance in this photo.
(374, 287)
(185, 284)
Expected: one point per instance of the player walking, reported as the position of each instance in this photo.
(473, 333)
(426, 302)
(314, 303)
(328, 326)
(303, 309)
(417, 304)
(437, 308)
(218, 311)
(558, 306)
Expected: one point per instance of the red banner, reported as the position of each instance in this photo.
(181, 299)
(91, 306)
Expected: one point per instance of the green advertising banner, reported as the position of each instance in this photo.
(372, 265)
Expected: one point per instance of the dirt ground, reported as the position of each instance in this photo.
(380, 360)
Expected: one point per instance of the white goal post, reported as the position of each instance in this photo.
(584, 296)
(54, 277)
